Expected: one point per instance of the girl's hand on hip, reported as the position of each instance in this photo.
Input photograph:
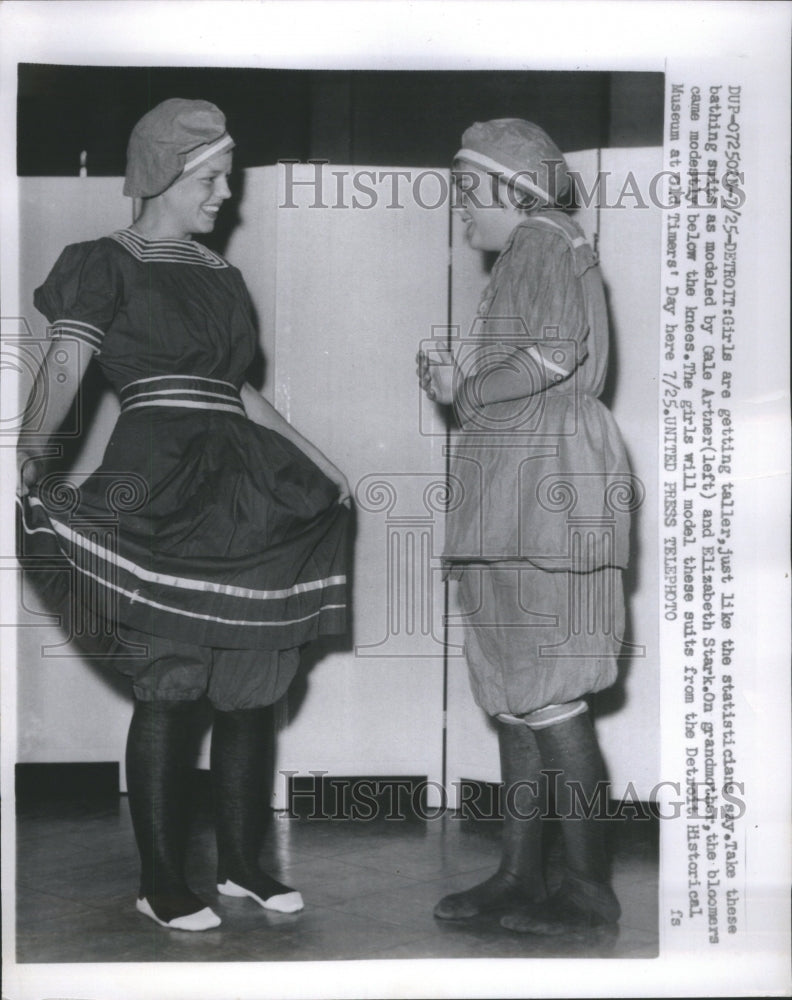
(437, 376)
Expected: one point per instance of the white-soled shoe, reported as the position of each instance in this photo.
(201, 920)
(284, 902)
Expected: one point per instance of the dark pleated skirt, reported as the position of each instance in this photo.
(199, 525)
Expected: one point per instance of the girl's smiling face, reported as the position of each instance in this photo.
(191, 203)
(488, 221)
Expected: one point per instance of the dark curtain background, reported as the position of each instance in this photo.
(393, 118)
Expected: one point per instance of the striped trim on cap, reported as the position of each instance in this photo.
(519, 178)
(202, 153)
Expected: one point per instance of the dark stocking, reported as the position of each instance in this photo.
(242, 758)
(157, 770)
(585, 898)
(519, 876)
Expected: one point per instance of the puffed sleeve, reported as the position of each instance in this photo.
(81, 294)
(547, 293)
(535, 332)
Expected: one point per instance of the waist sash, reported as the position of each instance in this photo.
(185, 391)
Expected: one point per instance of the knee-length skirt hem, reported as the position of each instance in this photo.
(93, 588)
(215, 532)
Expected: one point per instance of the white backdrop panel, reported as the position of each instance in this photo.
(356, 290)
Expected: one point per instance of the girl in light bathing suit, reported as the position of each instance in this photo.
(539, 538)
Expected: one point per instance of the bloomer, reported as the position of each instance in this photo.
(167, 670)
(535, 638)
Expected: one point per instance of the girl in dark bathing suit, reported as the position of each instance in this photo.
(230, 550)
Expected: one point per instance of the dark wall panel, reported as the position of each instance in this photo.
(66, 109)
(382, 118)
(409, 118)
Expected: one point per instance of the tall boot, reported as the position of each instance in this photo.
(519, 876)
(241, 761)
(585, 898)
(157, 769)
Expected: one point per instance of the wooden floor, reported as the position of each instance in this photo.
(369, 888)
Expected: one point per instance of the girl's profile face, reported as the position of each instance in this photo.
(191, 204)
(489, 220)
